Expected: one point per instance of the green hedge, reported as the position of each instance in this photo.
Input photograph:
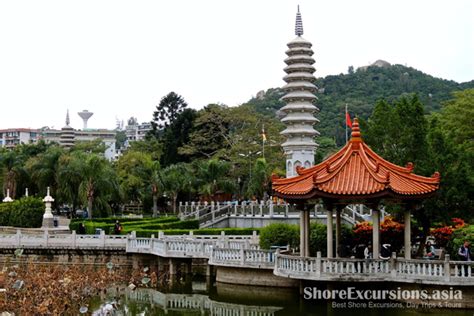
(318, 239)
(279, 234)
(25, 212)
(457, 239)
(109, 223)
(204, 231)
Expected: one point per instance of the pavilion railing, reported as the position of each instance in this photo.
(394, 269)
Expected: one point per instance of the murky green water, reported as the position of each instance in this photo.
(230, 300)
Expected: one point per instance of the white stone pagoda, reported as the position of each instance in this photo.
(299, 110)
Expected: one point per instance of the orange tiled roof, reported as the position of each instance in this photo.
(356, 171)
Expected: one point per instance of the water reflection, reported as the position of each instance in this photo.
(223, 301)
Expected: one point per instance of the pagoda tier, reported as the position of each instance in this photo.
(299, 110)
(356, 172)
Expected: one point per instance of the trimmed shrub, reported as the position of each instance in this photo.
(457, 239)
(107, 224)
(318, 239)
(279, 234)
(25, 212)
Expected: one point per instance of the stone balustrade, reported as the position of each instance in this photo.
(210, 213)
(187, 246)
(395, 269)
(242, 258)
(66, 241)
(199, 303)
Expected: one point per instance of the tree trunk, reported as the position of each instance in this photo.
(174, 203)
(89, 207)
(155, 205)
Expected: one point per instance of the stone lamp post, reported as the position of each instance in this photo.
(48, 221)
(8, 199)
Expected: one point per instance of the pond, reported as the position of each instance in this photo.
(201, 299)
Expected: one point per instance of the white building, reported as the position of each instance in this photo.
(12, 137)
(135, 131)
(68, 136)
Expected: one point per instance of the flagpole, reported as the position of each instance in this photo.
(345, 123)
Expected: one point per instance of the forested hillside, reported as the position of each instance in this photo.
(361, 89)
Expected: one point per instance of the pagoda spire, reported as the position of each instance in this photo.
(67, 118)
(299, 23)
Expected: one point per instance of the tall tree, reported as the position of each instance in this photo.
(156, 185)
(98, 180)
(175, 179)
(175, 135)
(43, 169)
(12, 169)
(133, 169)
(213, 176)
(167, 110)
(259, 183)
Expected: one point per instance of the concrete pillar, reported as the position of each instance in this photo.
(407, 233)
(329, 233)
(304, 233)
(375, 233)
(173, 266)
(338, 232)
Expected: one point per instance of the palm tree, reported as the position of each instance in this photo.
(260, 180)
(43, 168)
(156, 185)
(11, 164)
(69, 177)
(98, 180)
(213, 176)
(174, 179)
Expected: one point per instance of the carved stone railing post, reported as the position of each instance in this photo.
(261, 208)
(102, 237)
(447, 268)
(393, 265)
(319, 266)
(286, 209)
(270, 208)
(45, 238)
(18, 237)
(242, 256)
(73, 237)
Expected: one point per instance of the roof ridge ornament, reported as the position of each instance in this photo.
(299, 23)
(355, 135)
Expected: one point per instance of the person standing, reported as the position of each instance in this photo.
(117, 228)
(465, 254)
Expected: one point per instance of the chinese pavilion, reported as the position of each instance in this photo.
(355, 174)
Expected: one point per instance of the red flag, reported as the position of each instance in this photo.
(348, 120)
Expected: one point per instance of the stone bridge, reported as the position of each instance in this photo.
(242, 253)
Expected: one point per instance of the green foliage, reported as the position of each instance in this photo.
(360, 90)
(133, 169)
(260, 180)
(279, 234)
(209, 133)
(108, 223)
(457, 239)
(25, 212)
(171, 105)
(212, 177)
(398, 132)
(318, 239)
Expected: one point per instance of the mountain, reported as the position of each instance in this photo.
(360, 90)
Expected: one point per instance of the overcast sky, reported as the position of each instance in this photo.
(118, 58)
